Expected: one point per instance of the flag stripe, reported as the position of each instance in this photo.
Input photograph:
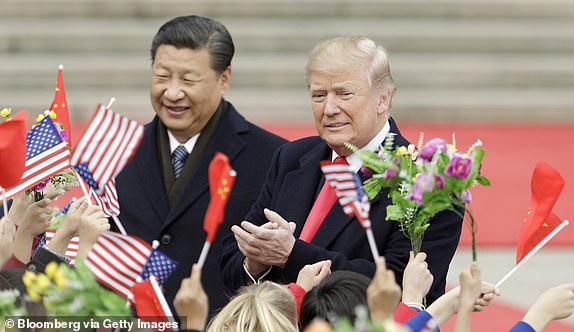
(118, 260)
(108, 144)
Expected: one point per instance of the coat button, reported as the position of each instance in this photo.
(165, 239)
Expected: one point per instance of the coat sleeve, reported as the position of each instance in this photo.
(231, 258)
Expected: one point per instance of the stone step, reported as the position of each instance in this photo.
(49, 36)
(262, 71)
(276, 105)
(448, 9)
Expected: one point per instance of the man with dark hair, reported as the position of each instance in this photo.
(164, 192)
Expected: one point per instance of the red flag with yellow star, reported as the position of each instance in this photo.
(221, 179)
(60, 107)
(546, 186)
(13, 149)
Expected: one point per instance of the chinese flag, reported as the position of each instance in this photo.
(60, 106)
(13, 149)
(221, 179)
(151, 305)
(546, 186)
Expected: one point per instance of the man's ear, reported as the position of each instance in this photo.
(384, 103)
(225, 80)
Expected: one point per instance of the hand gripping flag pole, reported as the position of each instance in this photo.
(351, 196)
(221, 180)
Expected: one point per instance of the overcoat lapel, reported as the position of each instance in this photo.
(148, 167)
(225, 139)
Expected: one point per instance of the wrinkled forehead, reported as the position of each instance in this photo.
(351, 77)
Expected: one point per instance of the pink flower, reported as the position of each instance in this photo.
(63, 134)
(466, 197)
(390, 173)
(425, 182)
(431, 147)
(40, 186)
(458, 167)
(367, 172)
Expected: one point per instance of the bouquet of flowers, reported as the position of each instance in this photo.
(67, 291)
(423, 182)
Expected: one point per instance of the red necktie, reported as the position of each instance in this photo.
(323, 204)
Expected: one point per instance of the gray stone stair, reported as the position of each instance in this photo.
(456, 60)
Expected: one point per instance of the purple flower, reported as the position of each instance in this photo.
(439, 180)
(425, 182)
(458, 167)
(465, 196)
(431, 147)
(63, 134)
(40, 186)
(367, 172)
(390, 173)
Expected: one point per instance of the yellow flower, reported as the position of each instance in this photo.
(402, 150)
(60, 279)
(5, 112)
(40, 117)
(42, 282)
(451, 147)
(53, 115)
(51, 269)
(34, 295)
(28, 278)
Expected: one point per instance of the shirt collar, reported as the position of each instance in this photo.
(173, 143)
(354, 160)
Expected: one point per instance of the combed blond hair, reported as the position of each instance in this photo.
(264, 307)
(343, 54)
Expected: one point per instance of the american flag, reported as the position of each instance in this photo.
(158, 265)
(117, 261)
(72, 250)
(349, 191)
(106, 147)
(108, 201)
(46, 155)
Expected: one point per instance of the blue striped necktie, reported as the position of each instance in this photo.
(178, 158)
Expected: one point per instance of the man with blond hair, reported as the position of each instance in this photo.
(351, 88)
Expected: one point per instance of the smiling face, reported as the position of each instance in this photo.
(347, 109)
(184, 90)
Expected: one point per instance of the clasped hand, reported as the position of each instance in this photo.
(268, 244)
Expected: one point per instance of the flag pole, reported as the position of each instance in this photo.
(203, 255)
(87, 195)
(366, 223)
(112, 100)
(4, 202)
(372, 243)
(532, 252)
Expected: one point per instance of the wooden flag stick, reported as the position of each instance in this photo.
(203, 255)
(533, 251)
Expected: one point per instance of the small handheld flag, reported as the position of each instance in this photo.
(221, 180)
(150, 303)
(12, 153)
(351, 197)
(540, 224)
(46, 155)
(108, 144)
(60, 106)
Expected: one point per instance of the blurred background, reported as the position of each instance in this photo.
(498, 70)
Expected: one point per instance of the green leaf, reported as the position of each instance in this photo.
(483, 180)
